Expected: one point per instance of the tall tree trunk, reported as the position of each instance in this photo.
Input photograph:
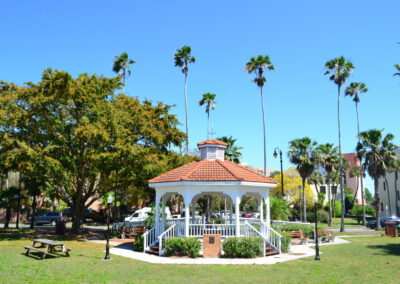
(265, 143)
(334, 205)
(8, 217)
(208, 215)
(388, 195)
(300, 209)
(7, 184)
(19, 200)
(329, 199)
(377, 203)
(2, 183)
(304, 200)
(396, 176)
(78, 212)
(34, 204)
(186, 109)
(362, 172)
(208, 124)
(340, 166)
(115, 196)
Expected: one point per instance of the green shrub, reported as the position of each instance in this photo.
(285, 241)
(357, 210)
(139, 243)
(185, 246)
(322, 216)
(243, 247)
(337, 207)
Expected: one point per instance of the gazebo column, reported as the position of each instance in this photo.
(157, 212)
(163, 212)
(261, 202)
(193, 213)
(237, 215)
(231, 214)
(267, 217)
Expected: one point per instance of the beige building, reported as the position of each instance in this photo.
(388, 190)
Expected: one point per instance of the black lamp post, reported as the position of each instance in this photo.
(109, 202)
(316, 234)
(275, 156)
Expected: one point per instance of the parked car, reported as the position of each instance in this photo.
(50, 218)
(372, 224)
(255, 215)
(139, 215)
(247, 215)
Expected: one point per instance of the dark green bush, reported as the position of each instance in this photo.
(322, 216)
(243, 247)
(285, 241)
(185, 246)
(338, 208)
(357, 210)
(139, 243)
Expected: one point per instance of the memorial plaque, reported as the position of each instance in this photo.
(211, 240)
(211, 245)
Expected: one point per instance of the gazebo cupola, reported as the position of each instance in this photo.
(212, 149)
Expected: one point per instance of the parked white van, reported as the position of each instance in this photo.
(139, 215)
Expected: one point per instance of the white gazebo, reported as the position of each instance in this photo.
(212, 175)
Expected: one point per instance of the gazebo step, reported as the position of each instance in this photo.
(155, 252)
(273, 252)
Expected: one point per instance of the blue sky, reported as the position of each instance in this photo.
(299, 37)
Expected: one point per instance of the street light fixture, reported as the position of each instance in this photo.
(275, 156)
(109, 202)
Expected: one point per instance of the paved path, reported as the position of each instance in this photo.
(296, 252)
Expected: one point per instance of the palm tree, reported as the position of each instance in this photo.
(232, 152)
(208, 100)
(377, 153)
(302, 153)
(329, 159)
(339, 70)
(316, 179)
(397, 66)
(182, 59)
(257, 65)
(353, 90)
(122, 66)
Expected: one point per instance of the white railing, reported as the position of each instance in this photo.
(127, 224)
(273, 237)
(250, 231)
(150, 236)
(225, 230)
(168, 234)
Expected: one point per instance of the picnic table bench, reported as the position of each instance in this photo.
(325, 235)
(47, 246)
(298, 235)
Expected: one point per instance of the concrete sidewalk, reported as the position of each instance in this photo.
(296, 252)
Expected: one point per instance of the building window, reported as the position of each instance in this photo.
(381, 207)
(334, 189)
(344, 179)
(322, 189)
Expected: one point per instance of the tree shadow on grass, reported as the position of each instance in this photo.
(393, 249)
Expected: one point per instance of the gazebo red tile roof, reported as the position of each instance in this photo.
(212, 142)
(212, 170)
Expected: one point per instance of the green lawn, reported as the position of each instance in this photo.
(372, 259)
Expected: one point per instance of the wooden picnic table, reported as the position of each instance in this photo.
(47, 246)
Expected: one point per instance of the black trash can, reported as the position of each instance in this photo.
(61, 227)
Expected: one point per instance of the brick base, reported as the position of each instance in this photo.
(212, 245)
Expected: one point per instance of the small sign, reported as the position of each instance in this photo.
(211, 240)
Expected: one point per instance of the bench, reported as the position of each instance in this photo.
(128, 233)
(298, 235)
(29, 248)
(325, 235)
